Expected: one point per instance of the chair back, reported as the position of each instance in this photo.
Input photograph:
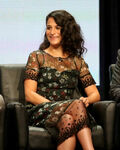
(11, 82)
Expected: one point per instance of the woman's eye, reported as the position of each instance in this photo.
(48, 28)
(58, 27)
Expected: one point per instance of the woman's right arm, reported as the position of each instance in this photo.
(31, 95)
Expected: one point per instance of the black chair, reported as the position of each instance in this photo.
(34, 138)
(2, 114)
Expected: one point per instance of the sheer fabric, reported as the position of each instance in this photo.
(57, 80)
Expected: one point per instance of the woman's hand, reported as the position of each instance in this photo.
(85, 101)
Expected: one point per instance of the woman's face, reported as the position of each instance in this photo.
(53, 32)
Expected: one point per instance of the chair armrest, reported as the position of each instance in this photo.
(16, 126)
(104, 113)
(2, 116)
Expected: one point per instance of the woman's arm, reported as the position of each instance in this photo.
(92, 95)
(30, 87)
(88, 83)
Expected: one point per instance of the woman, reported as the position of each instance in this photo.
(51, 84)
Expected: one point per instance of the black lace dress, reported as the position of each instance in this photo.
(57, 80)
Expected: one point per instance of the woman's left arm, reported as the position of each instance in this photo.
(88, 83)
(92, 95)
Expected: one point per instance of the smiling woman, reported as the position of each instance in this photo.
(53, 33)
(51, 84)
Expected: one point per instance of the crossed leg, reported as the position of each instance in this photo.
(64, 125)
(75, 122)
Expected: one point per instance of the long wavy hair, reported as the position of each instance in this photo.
(72, 39)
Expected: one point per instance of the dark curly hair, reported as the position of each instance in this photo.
(72, 39)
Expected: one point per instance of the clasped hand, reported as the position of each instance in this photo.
(85, 101)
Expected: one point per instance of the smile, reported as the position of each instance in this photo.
(53, 37)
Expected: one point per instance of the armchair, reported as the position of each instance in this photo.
(34, 138)
(2, 114)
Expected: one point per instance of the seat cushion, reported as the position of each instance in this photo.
(39, 138)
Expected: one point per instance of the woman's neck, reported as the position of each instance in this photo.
(56, 52)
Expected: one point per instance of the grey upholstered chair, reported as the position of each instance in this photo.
(34, 138)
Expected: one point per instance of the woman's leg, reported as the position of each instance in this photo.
(65, 127)
(78, 111)
(84, 136)
(68, 144)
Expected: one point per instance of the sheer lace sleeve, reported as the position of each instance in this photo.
(85, 76)
(32, 67)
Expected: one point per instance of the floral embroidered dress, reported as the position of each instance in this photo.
(57, 80)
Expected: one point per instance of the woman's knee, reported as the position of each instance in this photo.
(78, 102)
(77, 105)
(66, 120)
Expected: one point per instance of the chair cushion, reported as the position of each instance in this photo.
(39, 138)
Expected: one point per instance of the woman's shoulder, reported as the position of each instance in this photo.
(36, 56)
(81, 63)
(36, 52)
(79, 60)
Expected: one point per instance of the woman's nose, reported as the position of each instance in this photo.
(52, 31)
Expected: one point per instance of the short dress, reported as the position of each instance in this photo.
(57, 80)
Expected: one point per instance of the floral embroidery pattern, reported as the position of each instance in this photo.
(57, 81)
